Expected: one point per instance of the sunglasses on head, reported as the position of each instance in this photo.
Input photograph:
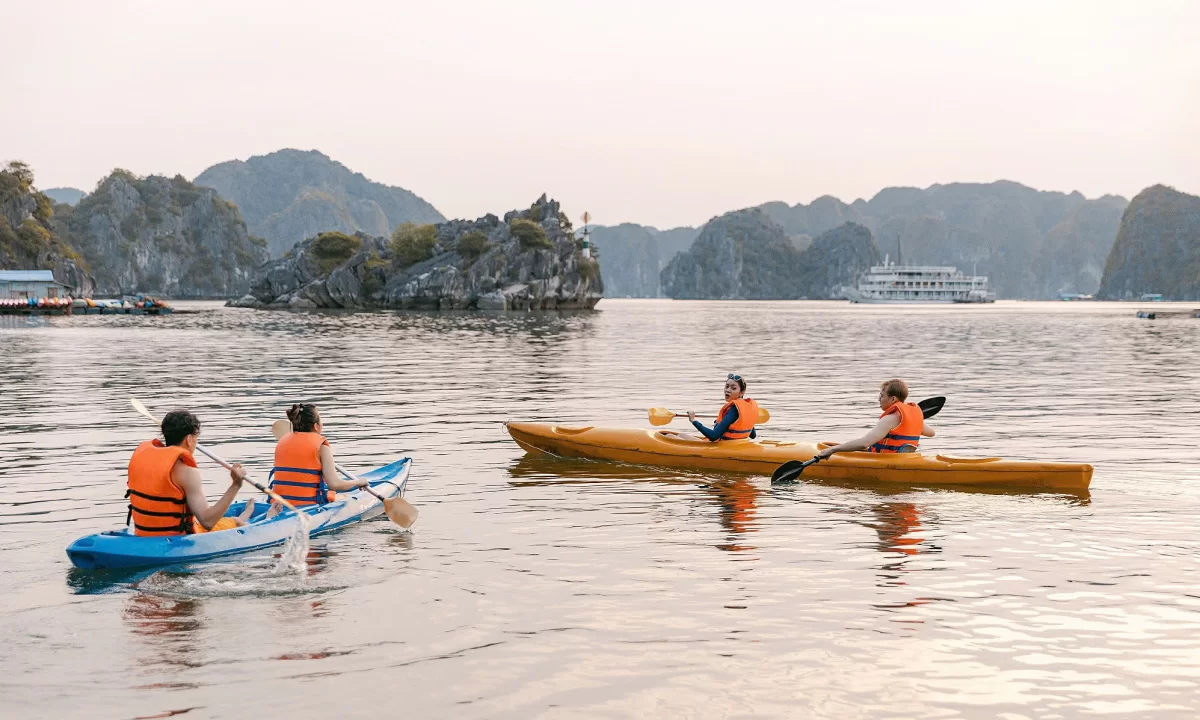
(733, 376)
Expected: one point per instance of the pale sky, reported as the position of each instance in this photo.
(662, 113)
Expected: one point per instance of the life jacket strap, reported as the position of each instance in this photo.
(155, 498)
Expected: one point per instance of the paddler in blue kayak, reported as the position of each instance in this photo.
(304, 471)
(900, 427)
(166, 492)
(737, 417)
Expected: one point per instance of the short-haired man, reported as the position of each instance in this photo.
(899, 429)
(166, 492)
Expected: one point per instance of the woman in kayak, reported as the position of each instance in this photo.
(900, 427)
(304, 471)
(166, 492)
(737, 417)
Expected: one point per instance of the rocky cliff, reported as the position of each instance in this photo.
(530, 259)
(29, 239)
(1157, 248)
(745, 255)
(161, 235)
(290, 195)
(634, 256)
(834, 261)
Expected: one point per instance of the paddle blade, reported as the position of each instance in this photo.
(931, 406)
(137, 405)
(279, 428)
(791, 470)
(763, 416)
(660, 416)
(400, 511)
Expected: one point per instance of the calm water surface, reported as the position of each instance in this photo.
(534, 587)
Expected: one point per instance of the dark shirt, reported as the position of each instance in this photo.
(717, 431)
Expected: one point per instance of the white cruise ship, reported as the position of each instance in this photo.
(919, 285)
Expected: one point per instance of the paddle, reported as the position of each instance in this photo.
(398, 510)
(137, 405)
(662, 416)
(791, 469)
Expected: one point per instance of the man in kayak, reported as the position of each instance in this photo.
(899, 429)
(166, 492)
(737, 417)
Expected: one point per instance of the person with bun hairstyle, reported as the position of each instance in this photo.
(737, 417)
(304, 472)
(899, 429)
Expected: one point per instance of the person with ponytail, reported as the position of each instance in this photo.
(304, 472)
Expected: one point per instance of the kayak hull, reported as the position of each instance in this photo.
(115, 549)
(762, 457)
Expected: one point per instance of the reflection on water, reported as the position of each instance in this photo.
(166, 630)
(536, 586)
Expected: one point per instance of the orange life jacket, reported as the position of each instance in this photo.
(156, 505)
(907, 433)
(297, 473)
(747, 417)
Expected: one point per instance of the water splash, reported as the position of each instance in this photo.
(295, 550)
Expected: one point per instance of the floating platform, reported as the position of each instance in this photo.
(1165, 314)
(62, 306)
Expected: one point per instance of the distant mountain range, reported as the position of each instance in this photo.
(290, 195)
(745, 255)
(632, 256)
(65, 195)
(1031, 243)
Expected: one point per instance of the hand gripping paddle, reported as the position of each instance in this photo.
(790, 470)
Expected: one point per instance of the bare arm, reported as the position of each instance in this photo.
(886, 424)
(330, 474)
(187, 478)
(927, 430)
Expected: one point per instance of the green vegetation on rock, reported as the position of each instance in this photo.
(472, 244)
(331, 249)
(530, 234)
(412, 243)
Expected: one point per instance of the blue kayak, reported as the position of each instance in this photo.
(122, 549)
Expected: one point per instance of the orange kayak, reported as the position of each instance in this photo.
(761, 457)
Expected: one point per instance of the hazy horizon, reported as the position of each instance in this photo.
(662, 114)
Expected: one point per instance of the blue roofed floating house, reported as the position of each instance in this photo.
(25, 284)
